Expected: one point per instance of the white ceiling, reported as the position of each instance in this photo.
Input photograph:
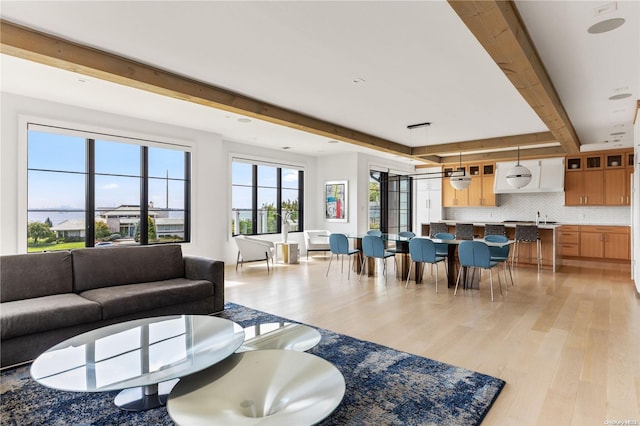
(414, 62)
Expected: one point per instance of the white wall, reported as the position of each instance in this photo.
(525, 206)
(207, 218)
(251, 152)
(211, 196)
(211, 160)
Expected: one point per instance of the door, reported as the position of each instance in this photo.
(593, 187)
(573, 189)
(591, 244)
(615, 187)
(617, 246)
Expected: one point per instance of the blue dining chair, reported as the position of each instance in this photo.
(373, 246)
(403, 234)
(339, 245)
(442, 249)
(500, 254)
(375, 232)
(423, 250)
(476, 254)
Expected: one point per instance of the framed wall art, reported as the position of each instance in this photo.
(336, 201)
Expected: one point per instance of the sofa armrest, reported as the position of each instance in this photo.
(204, 268)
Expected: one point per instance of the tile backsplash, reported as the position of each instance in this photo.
(525, 206)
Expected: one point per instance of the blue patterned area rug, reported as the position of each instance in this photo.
(383, 387)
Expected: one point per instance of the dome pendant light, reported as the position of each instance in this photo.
(460, 179)
(518, 176)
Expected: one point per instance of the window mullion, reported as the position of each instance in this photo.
(90, 191)
(187, 196)
(254, 200)
(144, 195)
(279, 200)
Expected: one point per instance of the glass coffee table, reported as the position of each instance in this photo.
(280, 335)
(269, 387)
(144, 357)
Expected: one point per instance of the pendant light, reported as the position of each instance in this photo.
(518, 176)
(460, 179)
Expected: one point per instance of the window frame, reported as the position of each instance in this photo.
(385, 180)
(142, 141)
(255, 188)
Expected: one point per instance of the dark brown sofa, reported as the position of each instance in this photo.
(46, 298)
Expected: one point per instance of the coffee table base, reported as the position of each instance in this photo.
(145, 397)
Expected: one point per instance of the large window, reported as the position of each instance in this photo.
(264, 197)
(389, 202)
(88, 190)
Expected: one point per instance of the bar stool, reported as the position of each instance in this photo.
(528, 234)
(437, 227)
(494, 229)
(464, 231)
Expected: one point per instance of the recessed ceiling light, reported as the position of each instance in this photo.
(605, 26)
(619, 96)
(332, 141)
(607, 8)
(244, 120)
(619, 125)
(286, 147)
(82, 80)
(358, 80)
(618, 133)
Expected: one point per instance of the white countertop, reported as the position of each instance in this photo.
(540, 225)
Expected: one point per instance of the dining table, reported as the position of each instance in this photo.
(452, 263)
(401, 244)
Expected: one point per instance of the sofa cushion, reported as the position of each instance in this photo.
(114, 266)
(28, 316)
(26, 276)
(126, 299)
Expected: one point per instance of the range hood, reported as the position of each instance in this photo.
(547, 175)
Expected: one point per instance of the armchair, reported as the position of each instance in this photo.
(253, 249)
(317, 240)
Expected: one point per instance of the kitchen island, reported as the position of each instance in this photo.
(548, 233)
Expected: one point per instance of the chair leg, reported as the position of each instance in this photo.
(436, 278)
(491, 278)
(364, 259)
(330, 260)
(238, 260)
(349, 266)
(384, 270)
(504, 270)
(457, 281)
(406, 285)
(499, 282)
(511, 275)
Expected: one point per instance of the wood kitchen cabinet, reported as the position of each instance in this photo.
(452, 197)
(605, 242)
(599, 179)
(569, 240)
(617, 187)
(480, 191)
(584, 181)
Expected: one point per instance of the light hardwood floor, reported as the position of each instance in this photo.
(567, 344)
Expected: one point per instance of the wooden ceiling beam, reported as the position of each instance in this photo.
(554, 151)
(26, 43)
(485, 144)
(498, 26)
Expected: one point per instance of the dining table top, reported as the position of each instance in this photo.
(457, 242)
(398, 238)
